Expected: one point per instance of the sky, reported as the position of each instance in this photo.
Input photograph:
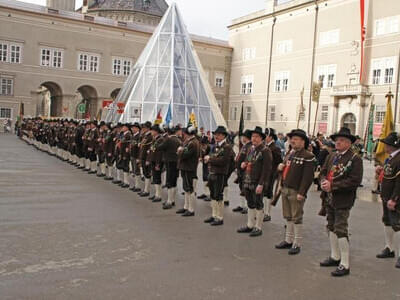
(206, 17)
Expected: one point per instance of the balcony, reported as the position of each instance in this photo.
(349, 90)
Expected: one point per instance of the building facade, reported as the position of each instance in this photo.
(52, 60)
(280, 51)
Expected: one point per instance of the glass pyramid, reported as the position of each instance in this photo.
(168, 72)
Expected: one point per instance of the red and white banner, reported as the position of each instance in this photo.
(121, 105)
(363, 33)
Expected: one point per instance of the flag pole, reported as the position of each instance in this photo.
(366, 133)
(301, 107)
(397, 91)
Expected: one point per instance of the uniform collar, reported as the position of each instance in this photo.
(221, 143)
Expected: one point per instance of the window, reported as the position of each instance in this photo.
(284, 47)
(282, 81)
(380, 113)
(271, 113)
(382, 71)
(234, 111)
(329, 37)
(219, 79)
(121, 66)
(247, 113)
(6, 86)
(324, 113)
(88, 62)
(387, 25)
(327, 75)
(51, 57)
(249, 54)
(247, 84)
(10, 52)
(15, 54)
(5, 113)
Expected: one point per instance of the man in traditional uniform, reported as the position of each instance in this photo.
(109, 147)
(218, 163)
(144, 148)
(204, 151)
(155, 159)
(169, 147)
(188, 159)
(135, 163)
(297, 176)
(270, 139)
(92, 140)
(118, 177)
(85, 147)
(124, 154)
(340, 175)
(101, 156)
(390, 194)
(257, 169)
(240, 158)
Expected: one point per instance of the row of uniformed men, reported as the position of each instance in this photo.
(258, 165)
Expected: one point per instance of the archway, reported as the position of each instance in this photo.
(51, 102)
(349, 120)
(89, 98)
(114, 94)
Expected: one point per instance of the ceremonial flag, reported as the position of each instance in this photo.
(370, 137)
(363, 33)
(192, 119)
(158, 120)
(387, 128)
(168, 117)
(316, 91)
(241, 127)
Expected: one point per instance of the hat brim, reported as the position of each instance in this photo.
(259, 133)
(221, 132)
(352, 138)
(304, 137)
(389, 144)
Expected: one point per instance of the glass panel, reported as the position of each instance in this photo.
(179, 52)
(165, 50)
(164, 85)
(203, 98)
(167, 27)
(179, 87)
(179, 115)
(149, 112)
(153, 58)
(150, 85)
(204, 118)
(190, 58)
(191, 87)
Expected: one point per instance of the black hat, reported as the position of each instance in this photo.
(157, 128)
(204, 140)
(344, 132)
(146, 125)
(137, 125)
(392, 140)
(102, 123)
(330, 144)
(258, 130)
(271, 132)
(221, 129)
(247, 133)
(300, 133)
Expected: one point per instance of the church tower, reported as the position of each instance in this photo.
(68, 5)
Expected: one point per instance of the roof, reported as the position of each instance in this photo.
(153, 7)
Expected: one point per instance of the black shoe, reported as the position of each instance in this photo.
(255, 232)
(284, 245)
(202, 196)
(375, 192)
(167, 206)
(99, 175)
(238, 209)
(226, 203)
(116, 181)
(294, 250)
(181, 211)
(244, 211)
(188, 214)
(86, 170)
(132, 189)
(164, 186)
(152, 197)
(398, 263)
(244, 229)
(81, 168)
(267, 218)
(108, 178)
(124, 186)
(136, 190)
(386, 253)
(330, 262)
(340, 271)
(207, 199)
(155, 200)
(217, 222)
(143, 194)
(209, 220)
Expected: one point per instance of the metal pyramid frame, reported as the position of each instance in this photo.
(168, 73)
